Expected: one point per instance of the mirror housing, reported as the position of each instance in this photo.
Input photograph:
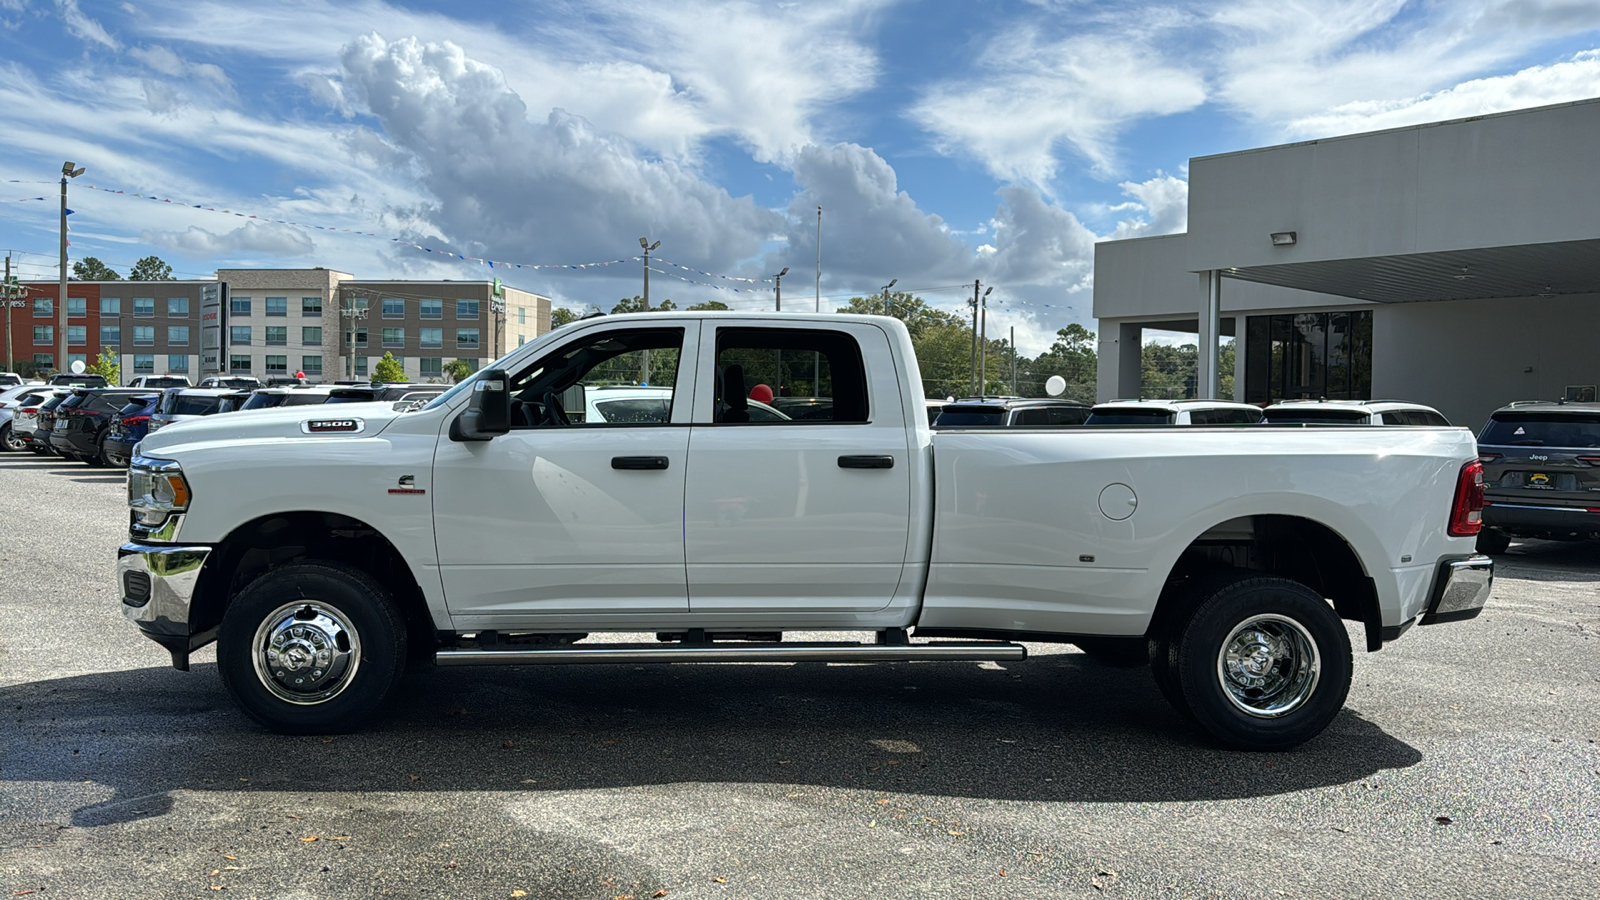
(488, 411)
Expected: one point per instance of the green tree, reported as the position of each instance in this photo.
(1073, 356)
(151, 268)
(457, 369)
(388, 369)
(942, 340)
(91, 269)
(107, 364)
(560, 316)
(636, 304)
(710, 305)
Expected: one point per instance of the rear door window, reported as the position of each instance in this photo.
(754, 366)
(1532, 429)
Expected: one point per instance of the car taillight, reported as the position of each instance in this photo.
(1488, 457)
(1466, 513)
(29, 410)
(135, 420)
(1591, 460)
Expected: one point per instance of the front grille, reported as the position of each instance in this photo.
(136, 588)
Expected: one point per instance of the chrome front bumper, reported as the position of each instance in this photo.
(157, 584)
(1460, 589)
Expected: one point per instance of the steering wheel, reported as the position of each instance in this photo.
(554, 414)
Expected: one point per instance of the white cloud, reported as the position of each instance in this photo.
(1033, 97)
(1161, 204)
(507, 187)
(250, 238)
(1575, 79)
(84, 27)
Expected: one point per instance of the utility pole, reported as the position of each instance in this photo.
(1014, 361)
(645, 243)
(983, 346)
(8, 293)
(888, 304)
(67, 171)
(352, 315)
(777, 281)
(972, 374)
(498, 308)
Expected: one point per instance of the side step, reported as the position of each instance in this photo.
(570, 654)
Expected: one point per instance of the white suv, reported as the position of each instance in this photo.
(1352, 412)
(1174, 412)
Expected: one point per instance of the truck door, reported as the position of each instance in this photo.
(579, 509)
(799, 492)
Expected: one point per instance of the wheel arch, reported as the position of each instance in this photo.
(1290, 546)
(279, 538)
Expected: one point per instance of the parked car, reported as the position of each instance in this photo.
(180, 403)
(25, 418)
(1541, 465)
(128, 427)
(1011, 412)
(803, 408)
(10, 379)
(160, 382)
(1173, 412)
(239, 382)
(1352, 412)
(12, 399)
(82, 421)
(291, 395)
(86, 379)
(638, 405)
(39, 440)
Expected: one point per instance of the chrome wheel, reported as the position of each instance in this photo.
(306, 652)
(1269, 665)
(12, 442)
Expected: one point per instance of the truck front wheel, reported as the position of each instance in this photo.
(311, 648)
(1263, 664)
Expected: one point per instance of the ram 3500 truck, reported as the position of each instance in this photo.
(324, 547)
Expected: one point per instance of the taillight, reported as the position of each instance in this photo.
(1488, 457)
(1591, 460)
(29, 410)
(135, 420)
(1466, 513)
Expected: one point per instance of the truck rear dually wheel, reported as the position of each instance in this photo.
(311, 648)
(1263, 663)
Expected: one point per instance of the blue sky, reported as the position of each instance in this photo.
(946, 141)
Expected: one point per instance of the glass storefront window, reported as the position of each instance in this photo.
(1307, 356)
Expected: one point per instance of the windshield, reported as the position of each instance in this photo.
(1129, 415)
(1538, 429)
(1316, 416)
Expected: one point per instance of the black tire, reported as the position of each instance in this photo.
(1264, 663)
(1493, 541)
(97, 459)
(1121, 653)
(323, 614)
(9, 443)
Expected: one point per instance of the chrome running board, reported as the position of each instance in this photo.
(570, 654)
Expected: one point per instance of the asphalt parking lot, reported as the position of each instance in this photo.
(1464, 765)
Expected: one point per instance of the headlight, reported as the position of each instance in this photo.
(158, 494)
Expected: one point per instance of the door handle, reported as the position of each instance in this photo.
(866, 462)
(638, 462)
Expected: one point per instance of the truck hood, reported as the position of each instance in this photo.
(341, 421)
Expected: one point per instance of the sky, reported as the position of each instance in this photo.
(946, 142)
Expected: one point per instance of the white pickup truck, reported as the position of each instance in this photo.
(322, 548)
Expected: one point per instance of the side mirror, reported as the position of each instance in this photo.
(488, 411)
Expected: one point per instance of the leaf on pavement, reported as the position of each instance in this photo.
(720, 880)
(519, 893)
(309, 838)
(660, 893)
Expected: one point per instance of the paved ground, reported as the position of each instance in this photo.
(1466, 764)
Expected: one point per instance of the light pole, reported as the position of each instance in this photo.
(888, 305)
(67, 171)
(777, 281)
(645, 243)
(983, 346)
(819, 259)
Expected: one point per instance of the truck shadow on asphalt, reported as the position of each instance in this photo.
(1056, 728)
(1550, 561)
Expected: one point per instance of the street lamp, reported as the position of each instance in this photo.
(68, 170)
(887, 304)
(983, 345)
(645, 243)
(777, 281)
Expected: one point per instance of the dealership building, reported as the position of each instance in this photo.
(1455, 264)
